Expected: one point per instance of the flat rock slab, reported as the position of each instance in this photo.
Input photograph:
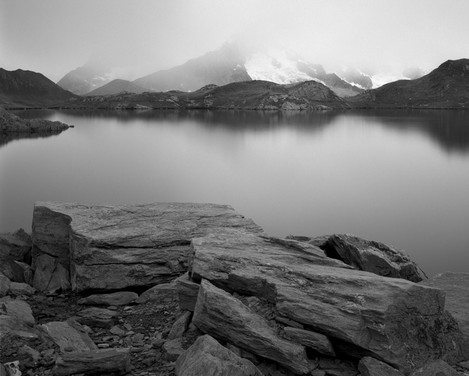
(400, 322)
(114, 247)
(207, 357)
(119, 298)
(100, 317)
(95, 362)
(68, 336)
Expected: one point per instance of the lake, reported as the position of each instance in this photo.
(399, 177)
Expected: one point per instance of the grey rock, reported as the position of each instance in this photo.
(161, 293)
(17, 245)
(224, 317)
(94, 316)
(50, 275)
(337, 367)
(95, 362)
(28, 356)
(18, 289)
(114, 247)
(400, 322)
(373, 257)
(17, 308)
(207, 357)
(315, 341)
(317, 241)
(436, 368)
(187, 292)
(180, 325)
(119, 298)
(173, 348)
(10, 269)
(68, 336)
(5, 284)
(117, 331)
(369, 366)
(456, 287)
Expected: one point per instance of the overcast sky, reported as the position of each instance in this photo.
(56, 36)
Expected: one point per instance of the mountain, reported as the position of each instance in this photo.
(445, 87)
(219, 67)
(22, 88)
(117, 86)
(86, 78)
(246, 95)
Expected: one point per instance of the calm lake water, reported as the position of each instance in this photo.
(397, 177)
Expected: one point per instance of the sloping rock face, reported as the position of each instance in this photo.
(114, 247)
(391, 319)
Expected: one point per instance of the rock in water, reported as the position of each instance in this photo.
(114, 247)
(207, 357)
(96, 362)
(395, 320)
(223, 316)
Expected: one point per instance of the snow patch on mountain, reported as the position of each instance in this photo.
(381, 79)
(275, 67)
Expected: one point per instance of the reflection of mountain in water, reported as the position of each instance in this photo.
(7, 138)
(449, 129)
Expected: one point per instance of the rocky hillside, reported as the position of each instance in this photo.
(198, 289)
(219, 67)
(248, 95)
(118, 86)
(445, 87)
(22, 88)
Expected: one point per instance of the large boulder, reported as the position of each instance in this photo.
(17, 245)
(69, 336)
(207, 357)
(114, 247)
(392, 319)
(16, 318)
(368, 255)
(227, 318)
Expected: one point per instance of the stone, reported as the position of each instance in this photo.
(28, 272)
(10, 269)
(173, 348)
(12, 368)
(28, 356)
(187, 292)
(5, 284)
(369, 366)
(164, 292)
(180, 325)
(456, 287)
(373, 257)
(207, 357)
(116, 330)
(226, 318)
(68, 336)
(17, 245)
(17, 308)
(103, 361)
(119, 298)
(397, 321)
(18, 289)
(115, 247)
(94, 316)
(315, 341)
(436, 368)
(49, 274)
(317, 241)
(337, 367)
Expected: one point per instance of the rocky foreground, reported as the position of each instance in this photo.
(198, 289)
(12, 124)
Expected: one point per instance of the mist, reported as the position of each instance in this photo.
(138, 38)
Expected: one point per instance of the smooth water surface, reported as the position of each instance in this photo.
(397, 177)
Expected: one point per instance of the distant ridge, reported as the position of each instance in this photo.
(22, 88)
(445, 87)
(84, 79)
(219, 67)
(118, 86)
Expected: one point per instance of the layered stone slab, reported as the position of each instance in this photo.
(395, 320)
(114, 247)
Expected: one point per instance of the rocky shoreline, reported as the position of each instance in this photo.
(198, 289)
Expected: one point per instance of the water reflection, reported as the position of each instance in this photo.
(7, 138)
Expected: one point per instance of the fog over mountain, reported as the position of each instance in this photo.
(137, 40)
